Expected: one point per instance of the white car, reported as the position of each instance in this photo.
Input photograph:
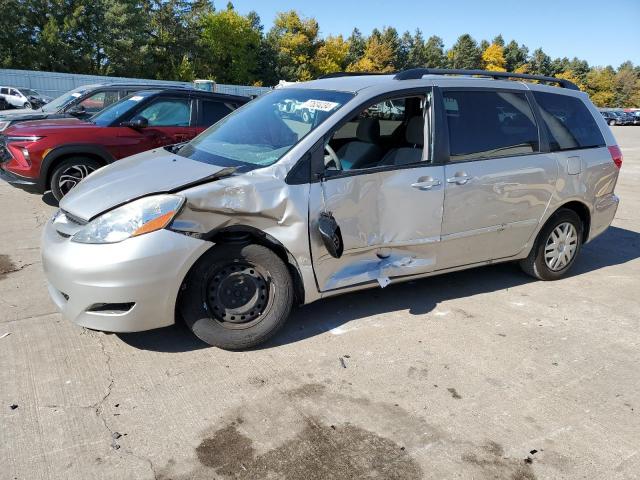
(22, 97)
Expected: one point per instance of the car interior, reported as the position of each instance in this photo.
(384, 134)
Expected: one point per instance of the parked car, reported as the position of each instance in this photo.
(58, 154)
(25, 98)
(635, 116)
(610, 117)
(254, 216)
(81, 102)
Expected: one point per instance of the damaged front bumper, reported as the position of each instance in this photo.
(120, 287)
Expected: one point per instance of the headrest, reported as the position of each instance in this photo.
(368, 130)
(415, 131)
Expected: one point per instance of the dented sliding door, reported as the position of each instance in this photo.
(389, 223)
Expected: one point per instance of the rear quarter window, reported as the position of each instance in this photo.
(569, 122)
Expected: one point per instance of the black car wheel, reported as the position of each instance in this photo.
(556, 247)
(69, 173)
(236, 296)
(27, 105)
(612, 122)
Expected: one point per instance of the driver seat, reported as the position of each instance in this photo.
(364, 151)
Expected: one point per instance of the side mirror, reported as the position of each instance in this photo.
(330, 234)
(76, 110)
(137, 123)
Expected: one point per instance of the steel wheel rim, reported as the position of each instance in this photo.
(71, 176)
(238, 294)
(561, 246)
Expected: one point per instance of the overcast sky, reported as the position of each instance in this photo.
(602, 32)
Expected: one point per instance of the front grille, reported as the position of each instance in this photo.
(5, 156)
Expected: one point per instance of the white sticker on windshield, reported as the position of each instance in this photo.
(136, 98)
(321, 105)
(75, 94)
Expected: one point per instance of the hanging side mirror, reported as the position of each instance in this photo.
(330, 234)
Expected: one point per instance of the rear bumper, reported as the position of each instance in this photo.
(27, 184)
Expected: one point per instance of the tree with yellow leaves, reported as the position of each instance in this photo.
(493, 58)
(378, 57)
(331, 55)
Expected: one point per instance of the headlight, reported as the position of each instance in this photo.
(136, 218)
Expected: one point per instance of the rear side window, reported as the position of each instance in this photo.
(488, 124)
(569, 122)
(214, 111)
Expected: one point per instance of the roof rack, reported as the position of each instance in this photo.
(416, 73)
(351, 74)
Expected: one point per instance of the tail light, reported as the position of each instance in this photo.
(616, 155)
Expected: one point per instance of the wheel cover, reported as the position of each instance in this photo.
(238, 294)
(561, 246)
(72, 175)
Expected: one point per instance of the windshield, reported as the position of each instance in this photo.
(63, 100)
(110, 114)
(29, 92)
(261, 132)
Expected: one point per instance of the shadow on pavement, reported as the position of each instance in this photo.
(174, 339)
(615, 246)
(49, 199)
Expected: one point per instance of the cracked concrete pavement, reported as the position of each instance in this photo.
(477, 374)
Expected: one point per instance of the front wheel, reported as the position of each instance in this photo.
(556, 248)
(612, 122)
(237, 296)
(69, 173)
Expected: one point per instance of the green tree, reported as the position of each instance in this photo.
(231, 45)
(515, 56)
(465, 53)
(124, 43)
(357, 46)
(294, 39)
(540, 63)
(434, 53)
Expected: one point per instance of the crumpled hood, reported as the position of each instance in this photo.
(155, 171)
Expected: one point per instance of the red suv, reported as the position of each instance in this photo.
(57, 154)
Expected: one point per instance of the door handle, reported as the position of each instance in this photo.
(426, 184)
(460, 178)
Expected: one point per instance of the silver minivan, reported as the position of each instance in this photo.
(264, 210)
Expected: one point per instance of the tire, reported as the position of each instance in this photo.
(612, 122)
(76, 167)
(536, 264)
(222, 276)
(27, 105)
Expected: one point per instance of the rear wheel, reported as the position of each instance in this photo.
(27, 105)
(69, 173)
(556, 247)
(237, 296)
(612, 122)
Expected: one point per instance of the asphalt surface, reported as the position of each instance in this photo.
(478, 374)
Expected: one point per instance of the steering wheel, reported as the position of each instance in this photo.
(334, 157)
